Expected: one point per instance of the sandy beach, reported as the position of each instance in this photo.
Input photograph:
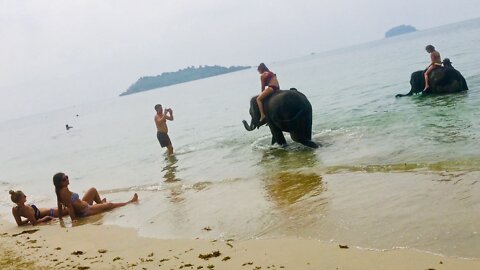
(92, 246)
(393, 184)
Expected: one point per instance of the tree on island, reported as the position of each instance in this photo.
(400, 30)
(180, 76)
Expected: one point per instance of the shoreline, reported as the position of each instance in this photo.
(92, 246)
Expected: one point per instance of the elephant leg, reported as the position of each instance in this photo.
(305, 140)
(277, 135)
(311, 144)
(308, 125)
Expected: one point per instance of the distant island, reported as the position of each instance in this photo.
(183, 75)
(400, 30)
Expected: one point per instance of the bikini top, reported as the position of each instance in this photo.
(269, 77)
(36, 211)
(75, 197)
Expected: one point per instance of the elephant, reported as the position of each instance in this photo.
(285, 110)
(443, 80)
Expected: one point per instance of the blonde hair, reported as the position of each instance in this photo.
(15, 195)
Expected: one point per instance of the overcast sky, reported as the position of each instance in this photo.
(56, 53)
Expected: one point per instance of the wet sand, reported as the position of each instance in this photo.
(109, 247)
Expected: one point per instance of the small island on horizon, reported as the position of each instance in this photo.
(180, 76)
(400, 30)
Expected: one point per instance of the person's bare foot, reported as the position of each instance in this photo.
(262, 119)
(135, 198)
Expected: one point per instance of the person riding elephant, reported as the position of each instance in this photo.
(442, 80)
(285, 111)
(269, 84)
(436, 62)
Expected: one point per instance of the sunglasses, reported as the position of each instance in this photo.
(65, 177)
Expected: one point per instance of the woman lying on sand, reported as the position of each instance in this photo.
(82, 207)
(33, 214)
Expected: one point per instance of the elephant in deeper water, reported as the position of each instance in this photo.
(444, 80)
(285, 110)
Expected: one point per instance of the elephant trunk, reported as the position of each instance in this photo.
(405, 95)
(247, 127)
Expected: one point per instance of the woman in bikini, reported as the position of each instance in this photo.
(32, 213)
(436, 62)
(269, 84)
(82, 207)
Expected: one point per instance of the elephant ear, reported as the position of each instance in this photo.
(417, 81)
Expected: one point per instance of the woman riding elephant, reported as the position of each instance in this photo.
(442, 80)
(269, 85)
(436, 62)
(287, 111)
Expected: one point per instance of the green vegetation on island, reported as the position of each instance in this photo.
(183, 75)
(400, 30)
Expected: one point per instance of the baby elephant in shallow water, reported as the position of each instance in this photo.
(285, 111)
(444, 80)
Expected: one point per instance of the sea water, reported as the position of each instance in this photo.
(391, 172)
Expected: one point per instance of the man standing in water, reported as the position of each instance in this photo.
(161, 118)
(436, 62)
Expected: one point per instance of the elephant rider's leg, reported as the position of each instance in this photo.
(427, 73)
(260, 98)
